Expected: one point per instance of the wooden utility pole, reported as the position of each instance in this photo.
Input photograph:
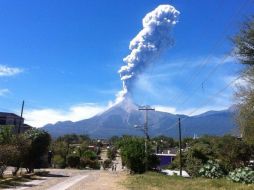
(180, 145)
(21, 116)
(146, 109)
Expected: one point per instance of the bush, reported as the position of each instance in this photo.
(58, 161)
(133, 154)
(242, 175)
(111, 153)
(153, 161)
(211, 170)
(73, 161)
(3, 167)
(237, 152)
(107, 164)
(90, 155)
(9, 155)
(40, 141)
(84, 162)
(94, 164)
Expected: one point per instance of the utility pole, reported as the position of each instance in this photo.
(21, 116)
(180, 144)
(146, 109)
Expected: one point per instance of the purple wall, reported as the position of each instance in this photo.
(165, 160)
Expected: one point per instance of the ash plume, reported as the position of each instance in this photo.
(147, 45)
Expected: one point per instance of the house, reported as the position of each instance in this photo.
(165, 159)
(13, 120)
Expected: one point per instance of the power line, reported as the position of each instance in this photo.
(206, 60)
(205, 80)
(207, 101)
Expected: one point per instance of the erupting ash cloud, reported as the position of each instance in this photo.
(147, 45)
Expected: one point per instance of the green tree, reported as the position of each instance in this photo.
(132, 150)
(163, 142)
(89, 155)
(8, 154)
(6, 134)
(114, 139)
(40, 141)
(60, 148)
(244, 43)
(232, 152)
(244, 51)
(111, 153)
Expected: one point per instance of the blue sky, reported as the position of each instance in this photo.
(62, 57)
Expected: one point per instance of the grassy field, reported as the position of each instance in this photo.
(154, 181)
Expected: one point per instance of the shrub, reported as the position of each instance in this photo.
(107, 164)
(133, 154)
(73, 161)
(211, 170)
(9, 154)
(94, 164)
(3, 167)
(111, 153)
(237, 152)
(242, 175)
(40, 141)
(90, 155)
(153, 161)
(58, 161)
(193, 166)
(84, 162)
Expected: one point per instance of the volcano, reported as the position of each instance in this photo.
(121, 118)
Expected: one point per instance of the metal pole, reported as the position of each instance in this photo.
(180, 145)
(21, 116)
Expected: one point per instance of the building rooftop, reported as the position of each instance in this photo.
(8, 114)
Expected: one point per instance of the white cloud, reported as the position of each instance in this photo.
(167, 109)
(196, 111)
(236, 81)
(9, 71)
(4, 91)
(189, 111)
(41, 117)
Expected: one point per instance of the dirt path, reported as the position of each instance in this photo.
(71, 179)
(104, 180)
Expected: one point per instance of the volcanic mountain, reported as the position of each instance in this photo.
(121, 118)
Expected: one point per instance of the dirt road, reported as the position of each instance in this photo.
(69, 179)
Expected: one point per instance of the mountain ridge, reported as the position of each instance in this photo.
(121, 118)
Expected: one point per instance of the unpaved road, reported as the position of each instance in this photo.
(69, 179)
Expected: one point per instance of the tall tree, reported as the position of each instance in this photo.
(244, 43)
(244, 51)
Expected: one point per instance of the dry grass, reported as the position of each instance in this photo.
(154, 181)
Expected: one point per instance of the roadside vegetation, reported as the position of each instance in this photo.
(157, 181)
(244, 45)
(76, 151)
(25, 150)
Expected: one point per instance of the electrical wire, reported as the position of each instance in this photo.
(210, 56)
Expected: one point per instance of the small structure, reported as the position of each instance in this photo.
(175, 172)
(165, 159)
(12, 119)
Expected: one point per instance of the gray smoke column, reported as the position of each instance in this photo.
(147, 45)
